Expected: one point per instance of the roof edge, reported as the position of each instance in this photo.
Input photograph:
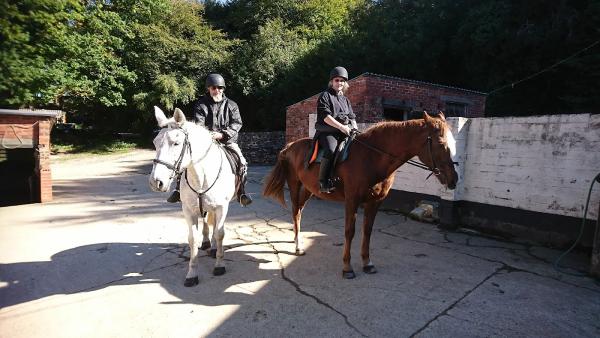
(29, 112)
(369, 74)
(422, 82)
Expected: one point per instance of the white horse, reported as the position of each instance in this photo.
(207, 183)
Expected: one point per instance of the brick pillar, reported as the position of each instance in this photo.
(43, 161)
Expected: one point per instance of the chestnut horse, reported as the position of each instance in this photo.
(366, 176)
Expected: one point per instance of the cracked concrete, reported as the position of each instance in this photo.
(108, 257)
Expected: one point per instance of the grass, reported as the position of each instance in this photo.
(77, 141)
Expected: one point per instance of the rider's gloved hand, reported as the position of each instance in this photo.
(216, 135)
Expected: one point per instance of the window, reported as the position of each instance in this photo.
(397, 110)
(455, 109)
(394, 114)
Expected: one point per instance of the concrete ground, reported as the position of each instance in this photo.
(107, 258)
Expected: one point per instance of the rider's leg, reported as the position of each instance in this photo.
(242, 197)
(328, 142)
(175, 194)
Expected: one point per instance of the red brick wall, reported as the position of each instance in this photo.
(367, 93)
(296, 126)
(36, 129)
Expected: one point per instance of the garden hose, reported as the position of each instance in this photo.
(557, 267)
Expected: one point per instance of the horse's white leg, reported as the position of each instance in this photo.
(205, 235)
(191, 278)
(212, 244)
(219, 234)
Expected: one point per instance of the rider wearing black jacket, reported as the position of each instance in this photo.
(335, 120)
(221, 116)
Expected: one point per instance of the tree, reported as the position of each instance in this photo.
(105, 61)
(33, 34)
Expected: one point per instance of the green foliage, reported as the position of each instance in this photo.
(278, 37)
(33, 33)
(80, 141)
(108, 62)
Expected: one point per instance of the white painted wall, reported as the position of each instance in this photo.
(537, 163)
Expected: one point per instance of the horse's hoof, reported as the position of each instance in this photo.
(191, 282)
(348, 274)
(213, 253)
(205, 245)
(370, 269)
(300, 252)
(219, 271)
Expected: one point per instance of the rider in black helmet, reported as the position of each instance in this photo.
(335, 120)
(221, 116)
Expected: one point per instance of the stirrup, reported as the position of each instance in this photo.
(245, 200)
(174, 198)
(326, 188)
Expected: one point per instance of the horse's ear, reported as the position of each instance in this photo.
(441, 115)
(426, 116)
(160, 117)
(179, 116)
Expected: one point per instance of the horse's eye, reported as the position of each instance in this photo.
(176, 143)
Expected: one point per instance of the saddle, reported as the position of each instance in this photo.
(234, 162)
(315, 153)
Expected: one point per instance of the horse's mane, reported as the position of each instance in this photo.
(386, 126)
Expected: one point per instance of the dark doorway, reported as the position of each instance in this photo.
(20, 183)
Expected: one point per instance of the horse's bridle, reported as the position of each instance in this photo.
(176, 168)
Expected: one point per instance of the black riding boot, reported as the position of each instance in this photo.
(325, 185)
(175, 194)
(243, 198)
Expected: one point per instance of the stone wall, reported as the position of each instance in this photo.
(261, 148)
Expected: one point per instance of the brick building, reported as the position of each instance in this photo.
(25, 156)
(377, 98)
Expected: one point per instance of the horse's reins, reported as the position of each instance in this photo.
(434, 171)
(213, 183)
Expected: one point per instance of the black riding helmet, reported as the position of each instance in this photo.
(215, 79)
(338, 72)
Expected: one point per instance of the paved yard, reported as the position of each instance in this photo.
(108, 258)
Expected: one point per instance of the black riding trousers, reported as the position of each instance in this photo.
(328, 142)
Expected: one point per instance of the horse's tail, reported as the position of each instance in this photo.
(275, 182)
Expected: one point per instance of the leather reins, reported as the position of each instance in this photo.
(434, 170)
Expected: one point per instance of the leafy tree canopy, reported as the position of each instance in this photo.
(108, 62)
